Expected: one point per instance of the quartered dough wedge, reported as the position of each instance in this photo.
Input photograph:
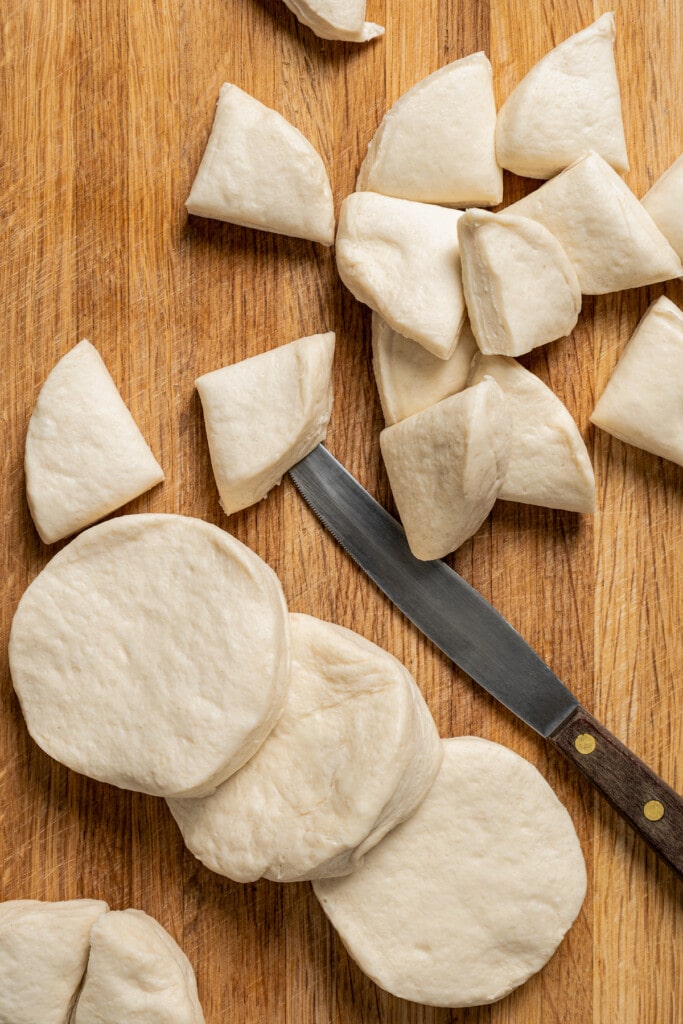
(409, 378)
(401, 258)
(548, 463)
(259, 171)
(152, 653)
(643, 401)
(84, 454)
(336, 19)
(436, 144)
(664, 203)
(607, 234)
(471, 895)
(446, 466)
(264, 414)
(353, 753)
(568, 103)
(137, 974)
(520, 289)
(43, 956)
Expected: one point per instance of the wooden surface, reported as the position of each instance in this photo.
(106, 108)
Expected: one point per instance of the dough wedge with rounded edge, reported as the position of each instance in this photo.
(263, 414)
(473, 894)
(436, 144)
(446, 466)
(354, 753)
(607, 234)
(402, 259)
(642, 403)
(566, 104)
(259, 171)
(409, 378)
(152, 653)
(664, 203)
(43, 955)
(137, 974)
(336, 19)
(520, 289)
(85, 456)
(549, 464)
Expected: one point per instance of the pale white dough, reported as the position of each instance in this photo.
(264, 414)
(520, 289)
(137, 974)
(43, 955)
(152, 653)
(566, 104)
(436, 144)
(402, 259)
(259, 171)
(446, 466)
(336, 19)
(409, 378)
(608, 235)
(84, 454)
(643, 401)
(471, 895)
(354, 753)
(549, 464)
(664, 203)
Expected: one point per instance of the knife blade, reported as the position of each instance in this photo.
(479, 640)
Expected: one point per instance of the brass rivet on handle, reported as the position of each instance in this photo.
(653, 810)
(585, 743)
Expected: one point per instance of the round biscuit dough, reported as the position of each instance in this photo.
(152, 653)
(470, 896)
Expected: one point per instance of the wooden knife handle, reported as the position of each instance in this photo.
(653, 809)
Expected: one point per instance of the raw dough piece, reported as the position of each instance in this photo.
(664, 203)
(43, 955)
(607, 234)
(567, 104)
(548, 464)
(262, 415)
(137, 974)
(446, 466)
(409, 378)
(520, 289)
(436, 144)
(84, 456)
(336, 19)
(643, 401)
(471, 895)
(152, 653)
(402, 259)
(259, 171)
(353, 754)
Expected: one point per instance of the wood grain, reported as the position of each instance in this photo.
(106, 110)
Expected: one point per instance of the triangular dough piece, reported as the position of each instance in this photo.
(409, 378)
(85, 456)
(568, 103)
(259, 171)
(520, 288)
(446, 466)
(607, 234)
(43, 956)
(664, 203)
(402, 259)
(136, 973)
(436, 144)
(643, 401)
(336, 19)
(548, 464)
(263, 414)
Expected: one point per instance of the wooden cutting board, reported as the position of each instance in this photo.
(106, 108)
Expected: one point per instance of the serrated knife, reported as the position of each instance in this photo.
(480, 641)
